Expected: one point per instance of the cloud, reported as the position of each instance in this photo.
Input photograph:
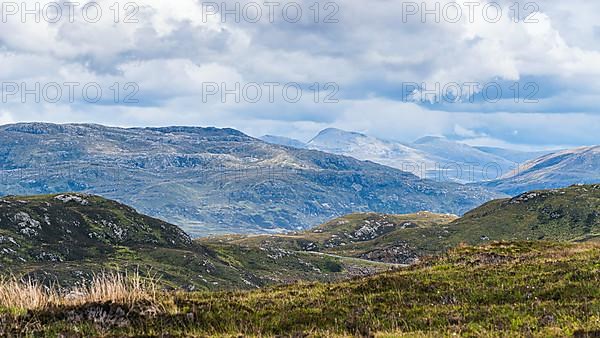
(174, 49)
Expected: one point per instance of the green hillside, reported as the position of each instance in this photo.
(525, 266)
(571, 213)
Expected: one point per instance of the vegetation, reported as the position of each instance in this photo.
(501, 289)
(571, 213)
(71, 237)
(27, 294)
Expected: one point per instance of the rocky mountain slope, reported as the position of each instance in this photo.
(555, 170)
(71, 227)
(211, 180)
(67, 238)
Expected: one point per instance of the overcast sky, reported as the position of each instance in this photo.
(171, 61)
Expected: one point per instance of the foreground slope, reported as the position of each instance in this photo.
(69, 237)
(520, 289)
(210, 180)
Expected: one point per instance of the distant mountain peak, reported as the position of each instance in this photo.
(430, 139)
(434, 157)
(330, 133)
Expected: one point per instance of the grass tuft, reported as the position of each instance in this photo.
(123, 288)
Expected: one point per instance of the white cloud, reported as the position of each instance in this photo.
(172, 51)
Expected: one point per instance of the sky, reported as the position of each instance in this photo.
(522, 75)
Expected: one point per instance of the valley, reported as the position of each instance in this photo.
(569, 214)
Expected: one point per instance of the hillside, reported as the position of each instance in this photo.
(532, 273)
(523, 289)
(71, 227)
(569, 214)
(555, 170)
(70, 237)
(211, 181)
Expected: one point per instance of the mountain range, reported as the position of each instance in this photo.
(504, 170)
(212, 181)
(431, 157)
(284, 141)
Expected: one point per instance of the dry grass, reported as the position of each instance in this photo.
(122, 288)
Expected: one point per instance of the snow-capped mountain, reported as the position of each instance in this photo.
(463, 160)
(368, 148)
(555, 170)
(430, 157)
